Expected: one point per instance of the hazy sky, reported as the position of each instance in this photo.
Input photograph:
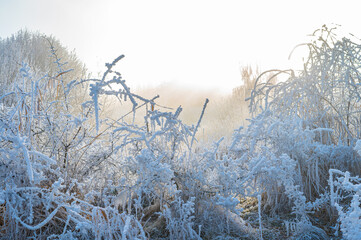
(196, 43)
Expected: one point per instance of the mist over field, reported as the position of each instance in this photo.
(84, 157)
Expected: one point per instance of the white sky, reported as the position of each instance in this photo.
(195, 43)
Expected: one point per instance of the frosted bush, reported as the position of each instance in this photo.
(180, 218)
(346, 189)
(357, 147)
(40, 141)
(351, 220)
(301, 128)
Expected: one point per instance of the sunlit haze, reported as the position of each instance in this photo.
(198, 44)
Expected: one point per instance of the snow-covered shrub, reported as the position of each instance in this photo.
(40, 142)
(345, 196)
(301, 128)
(325, 94)
(180, 218)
